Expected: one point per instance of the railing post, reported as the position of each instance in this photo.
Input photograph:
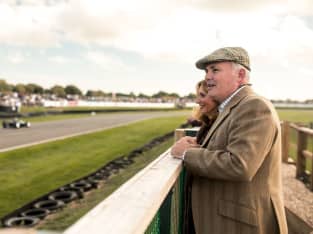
(179, 133)
(285, 141)
(311, 181)
(302, 143)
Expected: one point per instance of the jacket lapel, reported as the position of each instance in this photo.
(222, 116)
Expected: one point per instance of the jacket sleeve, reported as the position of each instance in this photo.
(249, 138)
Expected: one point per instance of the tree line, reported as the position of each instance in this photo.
(62, 92)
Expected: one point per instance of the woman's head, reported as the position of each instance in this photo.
(205, 102)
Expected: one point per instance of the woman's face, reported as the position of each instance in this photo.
(205, 103)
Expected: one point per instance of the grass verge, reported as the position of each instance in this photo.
(26, 109)
(28, 173)
(295, 115)
(73, 211)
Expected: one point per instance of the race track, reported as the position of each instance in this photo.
(53, 130)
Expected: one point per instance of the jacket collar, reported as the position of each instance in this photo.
(247, 90)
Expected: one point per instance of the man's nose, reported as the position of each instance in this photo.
(208, 76)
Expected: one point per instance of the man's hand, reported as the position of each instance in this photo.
(182, 145)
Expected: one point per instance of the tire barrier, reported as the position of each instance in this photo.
(84, 185)
(64, 196)
(79, 191)
(99, 176)
(35, 213)
(21, 221)
(30, 214)
(50, 205)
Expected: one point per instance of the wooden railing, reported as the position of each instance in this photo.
(303, 153)
(135, 206)
(132, 207)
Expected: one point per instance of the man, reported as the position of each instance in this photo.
(237, 170)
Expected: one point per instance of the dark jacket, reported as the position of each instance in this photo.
(207, 122)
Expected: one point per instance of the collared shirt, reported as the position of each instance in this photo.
(227, 100)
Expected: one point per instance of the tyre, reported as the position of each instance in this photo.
(65, 196)
(78, 191)
(82, 185)
(36, 212)
(21, 221)
(49, 204)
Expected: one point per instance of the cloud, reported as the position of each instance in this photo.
(107, 63)
(59, 59)
(33, 2)
(295, 7)
(278, 34)
(28, 25)
(16, 58)
(154, 29)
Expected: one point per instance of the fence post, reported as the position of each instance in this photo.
(302, 143)
(311, 175)
(179, 133)
(285, 141)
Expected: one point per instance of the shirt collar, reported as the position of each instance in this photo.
(221, 107)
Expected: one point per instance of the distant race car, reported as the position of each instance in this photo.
(15, 123)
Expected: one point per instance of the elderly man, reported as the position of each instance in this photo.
(237, 170)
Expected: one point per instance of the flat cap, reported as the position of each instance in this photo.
(229, 54)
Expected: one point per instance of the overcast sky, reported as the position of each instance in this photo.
(152, 45)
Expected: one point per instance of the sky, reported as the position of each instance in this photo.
(144, 46)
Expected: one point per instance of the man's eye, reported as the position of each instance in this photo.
(214, 70)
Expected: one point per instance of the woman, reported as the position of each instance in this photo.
(205, 113)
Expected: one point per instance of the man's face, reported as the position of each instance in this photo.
(222, 80)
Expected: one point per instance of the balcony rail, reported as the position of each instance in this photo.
(150, 202)
(298, 140)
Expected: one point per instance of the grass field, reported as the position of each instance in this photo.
(292, 115)
(26, 109)
(296, 115)
(52, 117)
(27, 173)
(71, 213)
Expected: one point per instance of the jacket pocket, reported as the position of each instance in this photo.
(238, 212)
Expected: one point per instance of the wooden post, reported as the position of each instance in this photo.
(285, 141)
(311, 182)
(179, 133)
(302, 142)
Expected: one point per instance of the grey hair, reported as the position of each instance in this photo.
(237, 67)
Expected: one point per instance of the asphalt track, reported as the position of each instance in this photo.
(54, 130)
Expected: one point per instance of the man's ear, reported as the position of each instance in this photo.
(241, 75)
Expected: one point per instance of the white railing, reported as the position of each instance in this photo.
(131, 208)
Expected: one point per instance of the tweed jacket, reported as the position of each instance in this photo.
(237, 185)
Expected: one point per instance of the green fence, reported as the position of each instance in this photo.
(169, 218)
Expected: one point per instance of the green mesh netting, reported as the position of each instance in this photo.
(169, 218)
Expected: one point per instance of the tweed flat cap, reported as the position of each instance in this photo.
(231, 54)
